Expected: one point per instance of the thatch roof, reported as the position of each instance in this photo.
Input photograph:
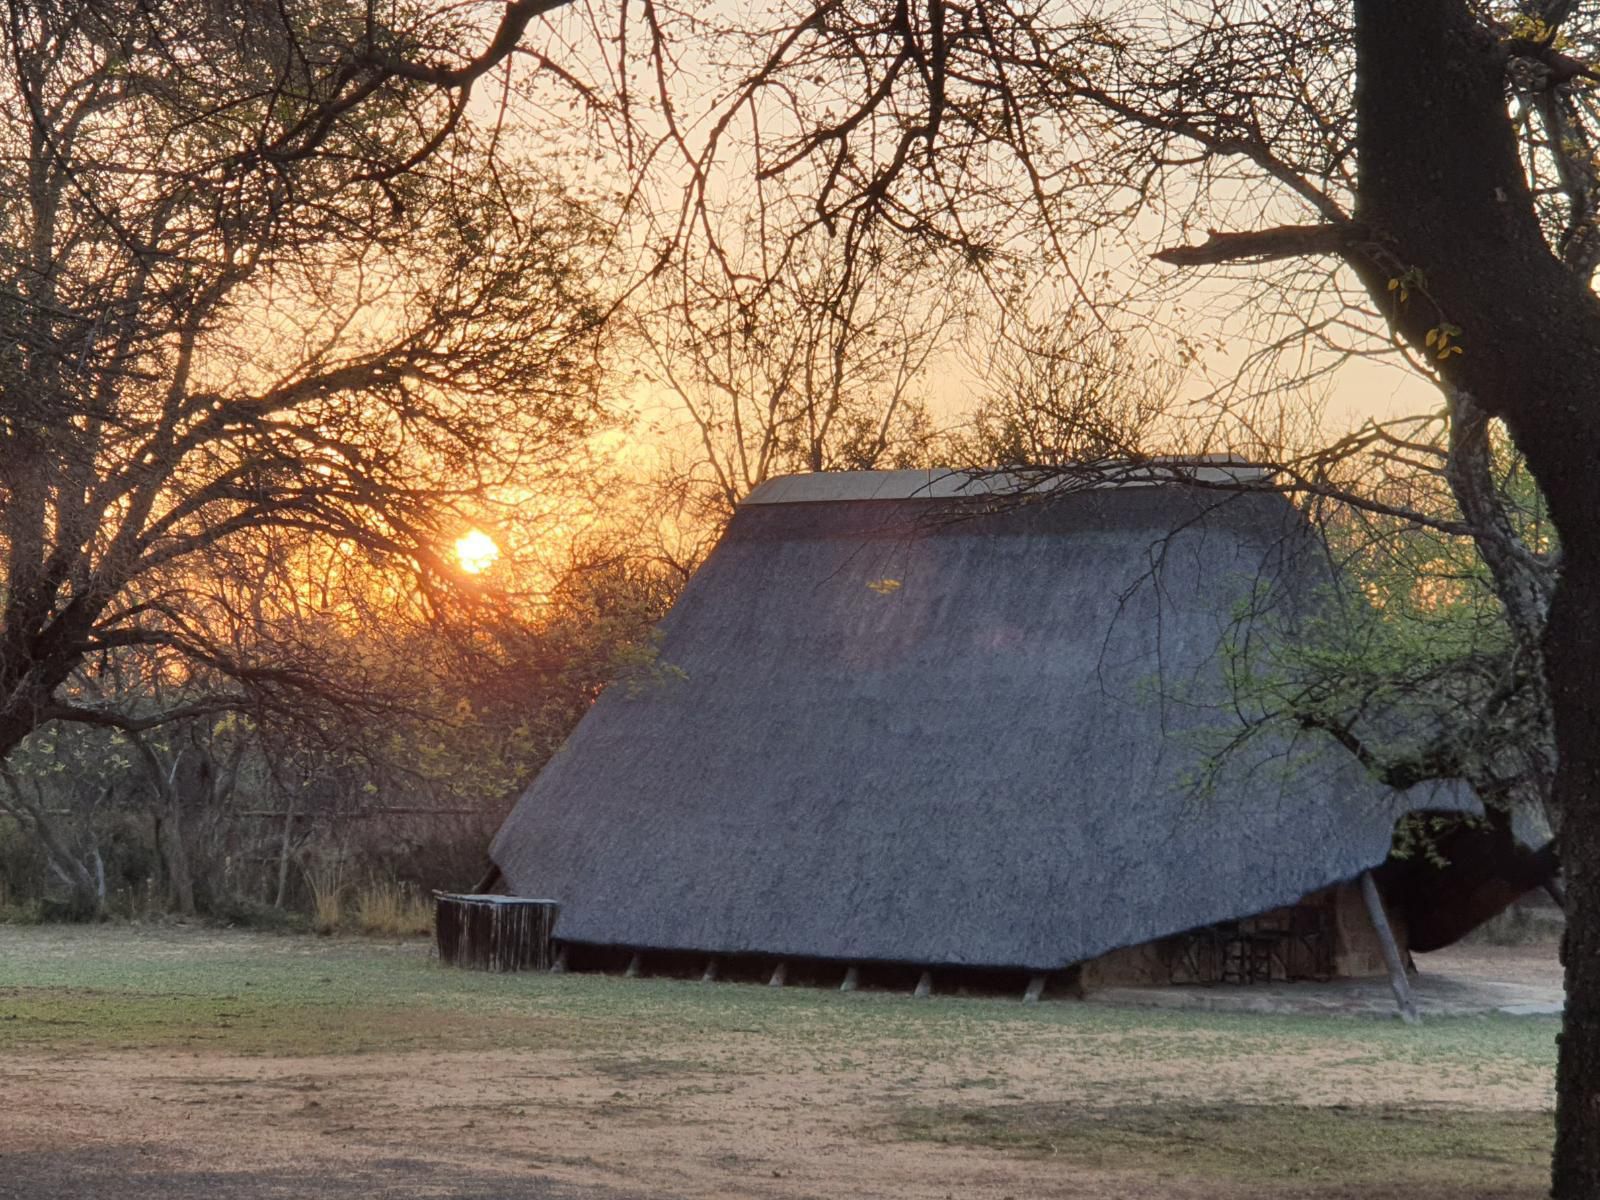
(909, 730)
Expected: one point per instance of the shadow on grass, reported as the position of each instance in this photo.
(130, 1173)
(1372, 1152)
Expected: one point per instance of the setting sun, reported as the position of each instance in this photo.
(476, 552)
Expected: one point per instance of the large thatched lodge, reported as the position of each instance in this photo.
(903, 724)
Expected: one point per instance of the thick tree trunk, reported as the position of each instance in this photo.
(157, 883)
(284, 846)
(170, 807)
(178, 857)
(1573, 657)
(1445, 203)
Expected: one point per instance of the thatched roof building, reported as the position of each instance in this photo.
(898, 722)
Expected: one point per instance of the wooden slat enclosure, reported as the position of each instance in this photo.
(494, 933)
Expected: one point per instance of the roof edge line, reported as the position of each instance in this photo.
(961, 483)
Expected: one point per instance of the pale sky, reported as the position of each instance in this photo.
(1359, 391)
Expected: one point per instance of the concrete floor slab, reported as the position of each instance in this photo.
(1459, 982)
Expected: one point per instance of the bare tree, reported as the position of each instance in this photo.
(260, 271)
(813, 368)
(1066, 391)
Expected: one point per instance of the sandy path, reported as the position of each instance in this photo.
(689, 1135)
(742, 1122)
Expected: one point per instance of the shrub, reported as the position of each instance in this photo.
(18, 910)
(325, 879)
(253, 914)
(391, 909)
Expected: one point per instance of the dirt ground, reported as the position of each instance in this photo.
(614, 1088)
(1461, 981)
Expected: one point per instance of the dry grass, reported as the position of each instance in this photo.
(325, 878)
(392, 909)
(380, 907)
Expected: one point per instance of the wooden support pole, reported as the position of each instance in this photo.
(924, 987)
(852, 979)
(710, 975)
(559, 967)
(779, 974)
(635, 965)
(1391, 952)
(1035, 991)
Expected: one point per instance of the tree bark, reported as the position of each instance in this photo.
(284, 846)
(170, 803)
(1444, 196)
(1572, 655)
(178, 857)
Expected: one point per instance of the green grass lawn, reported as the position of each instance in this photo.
(130, 987)
(1213, 1096)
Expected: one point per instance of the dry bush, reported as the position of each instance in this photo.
(325, 878)
(387, 908)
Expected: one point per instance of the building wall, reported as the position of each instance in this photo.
(1352, 949)
(1359, 953)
